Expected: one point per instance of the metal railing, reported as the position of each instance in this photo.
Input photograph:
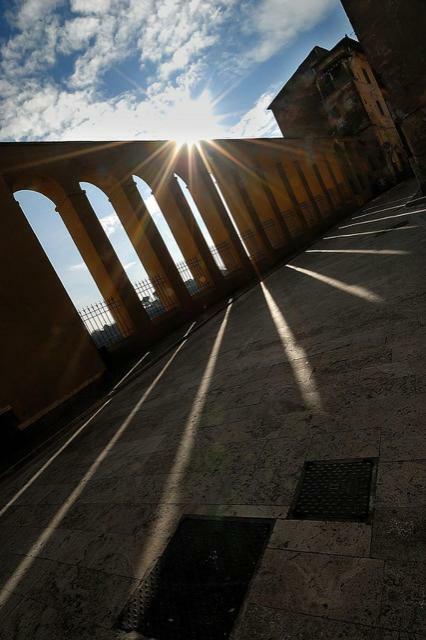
(99, 321)
(106, 322)
(225, 257)
(155, 295)
(194, 276)
(257, 254)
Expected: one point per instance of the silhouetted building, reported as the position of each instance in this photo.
(335, 93)
(392, 33)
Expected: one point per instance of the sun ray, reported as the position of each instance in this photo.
(295, 353)
(155, 538)
(370, 233)
(382, 252)
(352, 289)
(397, 215)
(21, 570)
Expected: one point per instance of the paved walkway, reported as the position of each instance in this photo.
(326, 359)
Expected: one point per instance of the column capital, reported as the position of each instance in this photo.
(170, 181)
(78, 193)
(127, 184)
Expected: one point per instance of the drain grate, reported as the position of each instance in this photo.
(334, 490)
(197, 587)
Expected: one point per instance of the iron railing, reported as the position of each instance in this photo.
(250, 239)
(225, 257)
(155, 295)
(100, 318)
(105, 320)
(194, 276)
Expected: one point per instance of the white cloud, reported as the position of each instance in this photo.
(45, 112)
(90, 6)
(77, 33)
(257, 122)
(129, 265)
(275, 23)
(81, 266)
(171, 40)
(29, 12)
(110, 224)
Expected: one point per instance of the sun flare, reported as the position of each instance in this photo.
(194, 119)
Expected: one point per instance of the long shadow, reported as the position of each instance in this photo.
(227, 422)
(101, 488)
(106, 490)
(345, 332)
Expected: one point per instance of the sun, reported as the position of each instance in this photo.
(193, 120)
(186, 139)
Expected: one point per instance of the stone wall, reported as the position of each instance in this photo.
(392, 33)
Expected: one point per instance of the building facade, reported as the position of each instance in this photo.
(392, 34)
(336, 93)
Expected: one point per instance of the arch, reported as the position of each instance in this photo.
(44, 185)
(68, 263)
(47, 354)
(114, 229)
(229, 212)
(200, 221)
(194, 280)
(119, 299)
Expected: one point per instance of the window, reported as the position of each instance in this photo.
(366, 76)
(380, 108)
(327, 84)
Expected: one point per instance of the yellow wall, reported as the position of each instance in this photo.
(46, 352)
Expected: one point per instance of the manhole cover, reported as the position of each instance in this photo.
(334, 490)
(197, 587)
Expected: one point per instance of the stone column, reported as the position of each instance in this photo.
(266, 185)
(257, 203)
(291, 178)
(302, 173)
(350, 171)
(338, 187)
(360, 168)
(325, 188)
(238, 181)
(103, 263)
(287, 201)
(187, 233)
(342, 174)
(239, 214)
(216, 217)
(149, 245)
(46, 352)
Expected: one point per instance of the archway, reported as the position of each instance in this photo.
(193, 280)
(98, 315)
(199, 220)
(153, 296)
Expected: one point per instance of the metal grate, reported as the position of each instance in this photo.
(198, 586)
(334, 490)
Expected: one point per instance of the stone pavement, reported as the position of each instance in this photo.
(324, 360)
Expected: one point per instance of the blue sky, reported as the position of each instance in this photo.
(145, 69)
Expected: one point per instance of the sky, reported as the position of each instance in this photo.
(145, 69)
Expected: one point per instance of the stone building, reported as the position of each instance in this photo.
(336, 93)
(392, 34)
